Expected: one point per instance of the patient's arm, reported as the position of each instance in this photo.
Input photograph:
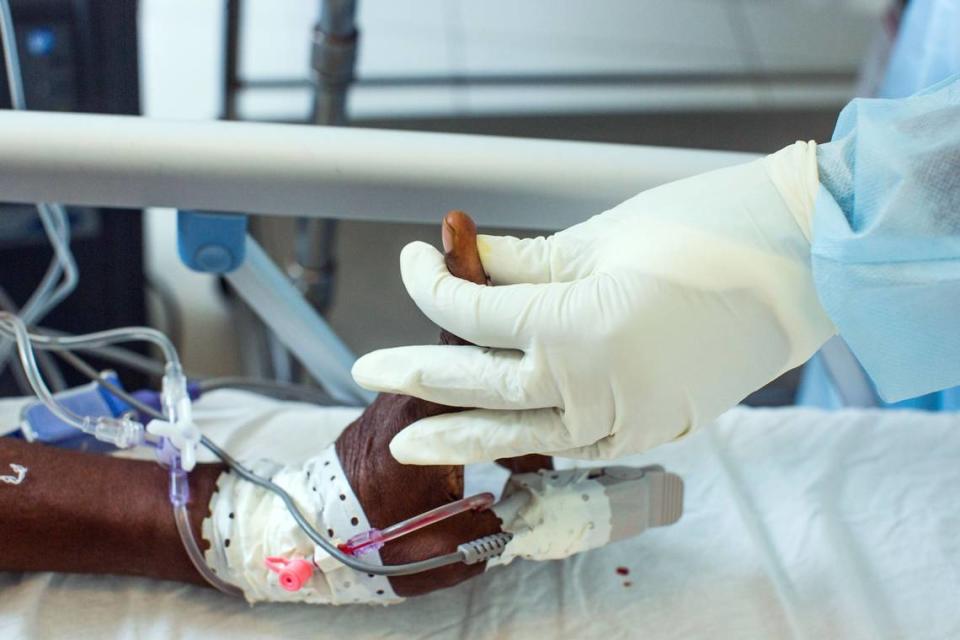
(83, 513)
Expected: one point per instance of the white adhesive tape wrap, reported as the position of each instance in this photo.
(555, 514)
(344, 518)
(249, 524)
(552, 515)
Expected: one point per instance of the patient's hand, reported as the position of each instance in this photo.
(389, 491)
(85, 513)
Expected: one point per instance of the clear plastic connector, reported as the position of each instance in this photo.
(179, 429)
(122, 433)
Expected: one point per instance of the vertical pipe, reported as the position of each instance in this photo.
(338, 16)
(231, 58)
(333, 61)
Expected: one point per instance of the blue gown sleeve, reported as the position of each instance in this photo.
(886, 238)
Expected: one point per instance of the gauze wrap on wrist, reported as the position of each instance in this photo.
(248, 524)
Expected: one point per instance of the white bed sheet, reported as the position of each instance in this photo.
(798, 523)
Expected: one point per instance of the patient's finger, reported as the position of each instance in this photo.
(459, 235)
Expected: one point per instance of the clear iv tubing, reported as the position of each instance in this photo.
(48, 294)
(127, 433)
(179, 497)
(121, 432)
(13, 326)
(179, 493)
(53, 216)
(101, 339)
(317, 537)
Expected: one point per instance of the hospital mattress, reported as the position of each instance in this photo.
(798, 524)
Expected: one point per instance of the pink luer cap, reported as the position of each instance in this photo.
(293, 574)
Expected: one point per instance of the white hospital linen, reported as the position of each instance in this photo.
(798, 523)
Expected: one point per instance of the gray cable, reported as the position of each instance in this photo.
(118, 355)
(153, 367)
(132, 359)
(87, 370)
(246, 474)
(316, 537)
(51, 371)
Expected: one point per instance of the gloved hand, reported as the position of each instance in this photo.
(620, 333)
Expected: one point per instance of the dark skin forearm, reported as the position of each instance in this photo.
(92, 514)
(83, 513)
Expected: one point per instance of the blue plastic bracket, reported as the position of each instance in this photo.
(211, 242)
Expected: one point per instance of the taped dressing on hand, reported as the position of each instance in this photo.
(249, 525)
(556, 514)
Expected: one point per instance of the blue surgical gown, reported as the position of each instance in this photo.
(886, 233)
(886, 238)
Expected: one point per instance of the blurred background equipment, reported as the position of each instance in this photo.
(77, 56)
(749, 76)
(734, 75)
(313, 265)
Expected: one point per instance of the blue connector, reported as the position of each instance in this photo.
(211, 242)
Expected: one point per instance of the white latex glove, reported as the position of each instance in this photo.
(620, 333)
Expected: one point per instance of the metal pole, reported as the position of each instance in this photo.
(231, 56)
(333, 60)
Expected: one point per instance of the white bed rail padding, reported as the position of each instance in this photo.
(124, 161)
